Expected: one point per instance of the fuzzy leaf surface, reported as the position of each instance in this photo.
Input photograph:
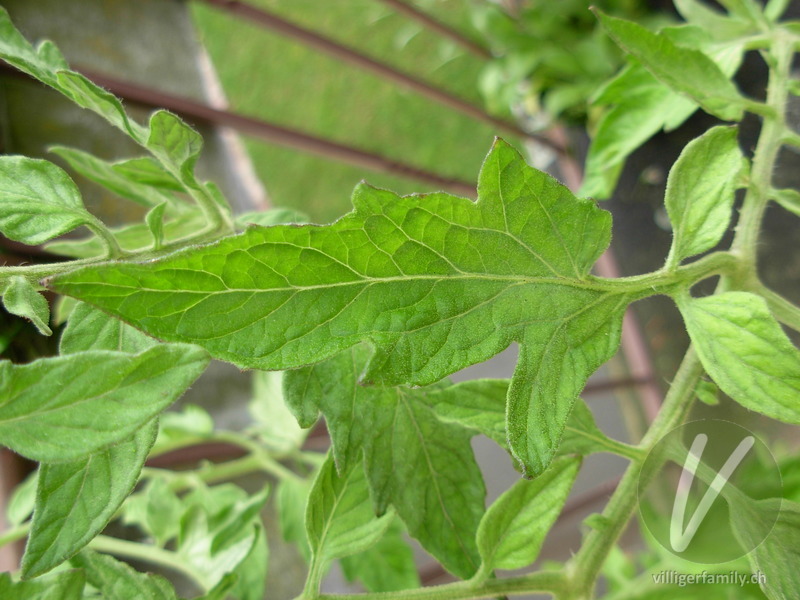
(746, 353)
(63, 408)
(778, 555)
(435, 283)
(21, 298)
(66, 585)
(38, 201)
(386, 567)
(104, 173)
(700, 191)
(117, 580)
(685, 70)
(513, 530)
(422, 466)
(75, 500)
(339, 516)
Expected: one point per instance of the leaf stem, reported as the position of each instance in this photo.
(15, 533)
(101, 231)
(150, 554)
(585, 566)
(543, 582)
(785, 311)
(769, 143)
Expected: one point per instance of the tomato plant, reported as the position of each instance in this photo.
(367, 317)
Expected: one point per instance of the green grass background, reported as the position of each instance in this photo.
(269, 76)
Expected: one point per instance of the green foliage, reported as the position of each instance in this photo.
(746, 352)
(367, 316)
(97, 397)
(421, 465)
(439, 279)
(512, 531)
(700, 192)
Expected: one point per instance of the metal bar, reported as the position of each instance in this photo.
(428, 21)
(345, 54)
(194, 111)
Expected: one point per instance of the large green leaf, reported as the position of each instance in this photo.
(116, 580)
(746, 352)
(434, 282)
(777, 556)
(513, 529)
(63, 408)
(685, 70)
(339, 516)
(700, 191)
(414, 461)
(38, 200)
(76, 500)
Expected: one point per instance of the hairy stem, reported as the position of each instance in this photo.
(585, 566)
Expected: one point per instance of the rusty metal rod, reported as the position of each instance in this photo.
(412, 12)
(346, 54)
(195, 112)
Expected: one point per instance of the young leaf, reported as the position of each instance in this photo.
(21, 298)
(67, 585)
(174, 142)
(684, 70)
(130, 237)
(716, 23)
(275, 424)
(116, 580)
(149, 172)
(76, 500)
(38, 200)
(156, 510)
(513, 529)
(20, 504)
(91, 329)
(339, 516)
(105, 174)
(48, 66)
(700, 190)
(155, 223)
(291, 501)
(386, 567)
(436, 283)
(778, 555)
(63, 408)
(91, 96)
(745, 351)
(788, 199)
(267, 218)
(422, 466)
